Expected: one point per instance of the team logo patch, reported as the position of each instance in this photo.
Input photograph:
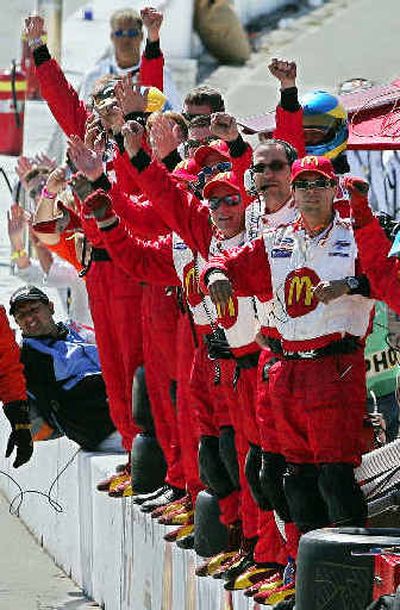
(191, 285)
(299, 296)
(180, 245)
(281, 253)
(227, 316)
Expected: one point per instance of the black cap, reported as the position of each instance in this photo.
(27, 293)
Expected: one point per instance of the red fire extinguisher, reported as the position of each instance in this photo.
(12, 106)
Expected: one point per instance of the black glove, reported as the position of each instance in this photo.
(17, 414)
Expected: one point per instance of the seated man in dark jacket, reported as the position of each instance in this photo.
(63, 375)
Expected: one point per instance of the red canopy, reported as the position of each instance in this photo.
(374, 118)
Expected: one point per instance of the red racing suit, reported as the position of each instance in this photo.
(112, 295)
(383, 272)
(280, 267)
(12, 380)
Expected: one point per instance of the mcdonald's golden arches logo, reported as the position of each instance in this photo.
(299, 295)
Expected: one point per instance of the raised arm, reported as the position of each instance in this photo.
(289, 114)
(68, 110)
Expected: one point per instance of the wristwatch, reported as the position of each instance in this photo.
(353, 284)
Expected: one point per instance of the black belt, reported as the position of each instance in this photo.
(99, 254)
(348, 345)
(248, 361)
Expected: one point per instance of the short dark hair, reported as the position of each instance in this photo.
(289, 150)
(204, 94)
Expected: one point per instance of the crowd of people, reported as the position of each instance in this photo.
(245, 282)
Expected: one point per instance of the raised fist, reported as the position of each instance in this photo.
(152, 21)
(224, 127)
(133, 136)
(285, 71)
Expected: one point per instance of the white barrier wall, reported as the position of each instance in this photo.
(113, 551)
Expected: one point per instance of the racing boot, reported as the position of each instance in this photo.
(239, 563)
(180, 532)
(186, 542)
(251, 576)
(281, 593)
(269, 583)
(141, 498)
(123, 490)
(180, 517)
(169, 495)
(167, 509)
(212, 565)
(114, 479)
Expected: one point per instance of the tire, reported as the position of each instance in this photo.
(329, 577)
(141, 402)
(210, 535)
(147, 463)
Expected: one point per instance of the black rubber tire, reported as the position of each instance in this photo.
(141, 403)
(329, 577)
(147, 464)
(210, 535)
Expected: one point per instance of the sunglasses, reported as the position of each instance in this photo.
(198, 143)
(189, 116)
(275, 166)
(211, 170)
(231, 200)
(319, 183)
(132, 33)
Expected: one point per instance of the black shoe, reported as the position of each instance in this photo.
(238, 568)
(141, 498)
(170, 494)
(286, 604)
(186, 543)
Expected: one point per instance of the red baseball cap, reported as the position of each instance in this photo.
(222, 179)
(312, 163)
(203, 152)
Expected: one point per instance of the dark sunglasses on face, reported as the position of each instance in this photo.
(189, 116)
(131, 33)
(231, 200)
(276, 165)
(198, 143)
(319, 183)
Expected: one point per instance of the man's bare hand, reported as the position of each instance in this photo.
(87, 161)
(152, 21)
(34, 30)
(285, 71)
(165, 137)
(44, 160)
(220, 289)
(17, 219)
(111, 115)
(57, 180)
(326, 292)
(23, 167)
(130, 97)
(133, 135)
(95, 136)
(224, 126)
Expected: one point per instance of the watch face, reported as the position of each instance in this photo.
(352, 283)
